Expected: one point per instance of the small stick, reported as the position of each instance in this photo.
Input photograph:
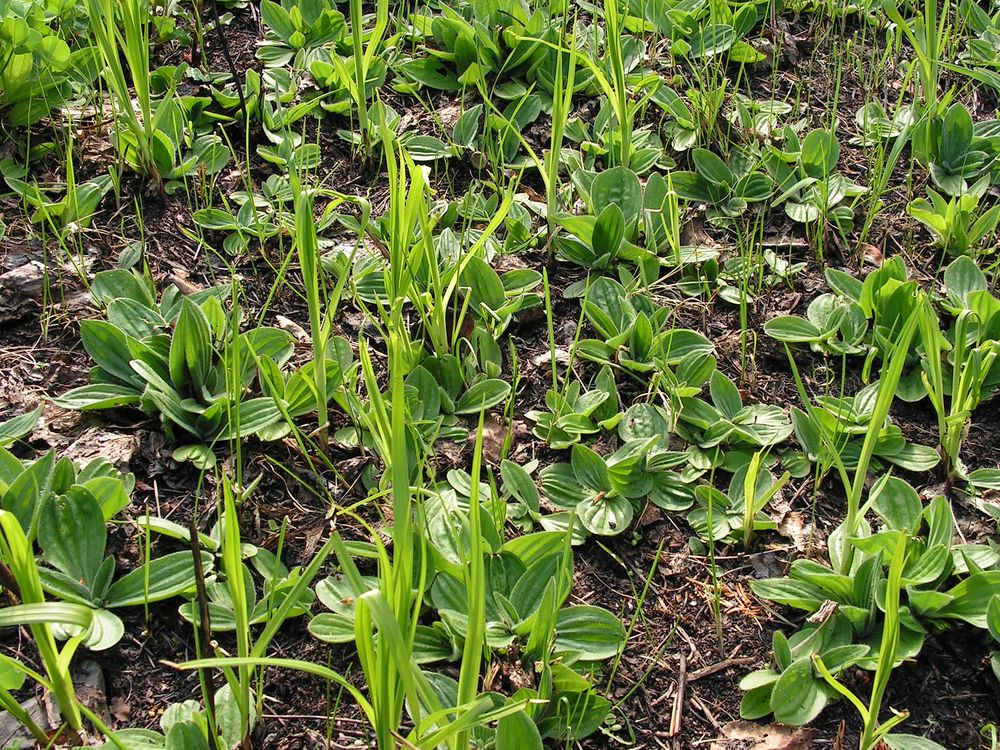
(675, 715)
(718, 667)
(696, 702)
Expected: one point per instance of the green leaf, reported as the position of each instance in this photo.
(909, 742)
(899, 506)
(844, 284)
(10, 677)
(26, 494)
(518, 732)
(215, 219)
(692, 187)
(72, 535)
(711, 167)
(589, 633)
(199, 454)
(186, 735)
(560, 485)
(277, 19)
(98, 396)
(962, 277)
(519, 483)
(792, 329)
(430, 73)
(579, 711)
(16, 428)
(485, 288)
(426, 148)
(993, 617)
(617, 186)
(590, 469)
(972, 597)
(106, 630)
(914, 457)
(797, 594)
(956, 136)
(725, 395)
(136, 739)
(229, 716)
(609, 231)
(166, 576)
(531, 548)
(254, 415)
(675, 344)
(756, 703)
(55, 52)
(332, 627)
(190, 347)
(482, 395)
(467, 126)
(820, 154)
(797, 697)
(118, 283)
(109, 349)
(607, 515)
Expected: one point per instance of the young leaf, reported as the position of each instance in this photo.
(72, 535)
(518, 732)
(797, 697)
(609, 230)
(820, 154)
(711, 167)
(590, 469)
(191, 347)
(607, 515)
(482, 395)
(16, 428)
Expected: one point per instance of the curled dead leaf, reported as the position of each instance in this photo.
(873, 254)
(740, 734)
(290, 326)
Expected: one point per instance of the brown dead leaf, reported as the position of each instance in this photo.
(88, 681)
(796, 529)
(493, 437)
(97, 443)
(650, 515)
(543, 359)
(449, 115)
(872, 254)
(737, 734)
(20, 290)
(120, 709)
(298, 332)
(179, 277)
(57, 427)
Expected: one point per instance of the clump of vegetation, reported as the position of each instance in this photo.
(500, 369)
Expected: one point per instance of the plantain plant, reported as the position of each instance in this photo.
(174, 358)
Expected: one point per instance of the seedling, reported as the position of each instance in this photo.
(959, 224)
(947, 145)
(728, 421)
(296, 29)
(181, 375)
(635, 334)
(808, 185)
(40, 71)
(574, 413)
(723, 188)
(603, 493)
(859, 618)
